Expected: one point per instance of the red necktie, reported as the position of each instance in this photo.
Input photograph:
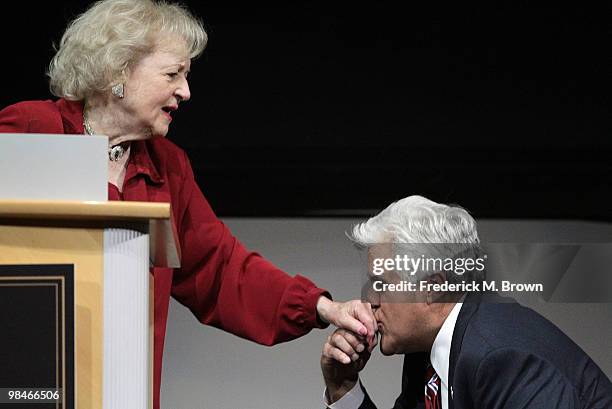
(432, 389)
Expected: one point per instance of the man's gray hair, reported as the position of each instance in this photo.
(419, 226)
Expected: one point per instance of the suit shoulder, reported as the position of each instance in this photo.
(512, 335)
(510, 324)
(513, 326)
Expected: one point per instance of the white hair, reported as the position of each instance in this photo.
(417, 225)
(416, 219)
(99, 46)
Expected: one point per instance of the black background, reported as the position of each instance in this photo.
(333, 108)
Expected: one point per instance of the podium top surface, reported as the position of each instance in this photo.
(83, 210)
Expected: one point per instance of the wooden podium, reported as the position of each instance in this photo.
(108, 247)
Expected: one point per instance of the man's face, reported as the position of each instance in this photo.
(401, 316)
(401, 321)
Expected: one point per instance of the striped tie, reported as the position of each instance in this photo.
(432, 389)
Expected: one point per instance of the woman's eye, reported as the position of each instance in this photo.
(172, 74)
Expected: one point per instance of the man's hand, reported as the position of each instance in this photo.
(354, 316)
(344, 355)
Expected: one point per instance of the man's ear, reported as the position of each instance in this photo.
(435, 296)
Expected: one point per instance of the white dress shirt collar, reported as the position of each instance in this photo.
(440, 350)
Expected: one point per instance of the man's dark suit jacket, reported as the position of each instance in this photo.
(504, 355)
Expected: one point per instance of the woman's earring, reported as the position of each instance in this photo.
(117, 90)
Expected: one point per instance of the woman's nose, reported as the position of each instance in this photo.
(182, 92)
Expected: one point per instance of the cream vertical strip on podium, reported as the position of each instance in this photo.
(127, 347)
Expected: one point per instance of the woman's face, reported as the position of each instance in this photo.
(155, 87)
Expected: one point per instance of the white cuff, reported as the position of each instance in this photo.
(351, 400)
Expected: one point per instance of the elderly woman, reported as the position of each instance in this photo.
(121, 70)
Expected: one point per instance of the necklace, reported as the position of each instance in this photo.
(115, 152)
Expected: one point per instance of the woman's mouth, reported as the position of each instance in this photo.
(167, 110)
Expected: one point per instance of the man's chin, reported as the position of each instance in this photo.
(386, 350)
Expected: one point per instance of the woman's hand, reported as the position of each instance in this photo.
(355, 316)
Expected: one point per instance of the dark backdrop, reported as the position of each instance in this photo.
(334, 109)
